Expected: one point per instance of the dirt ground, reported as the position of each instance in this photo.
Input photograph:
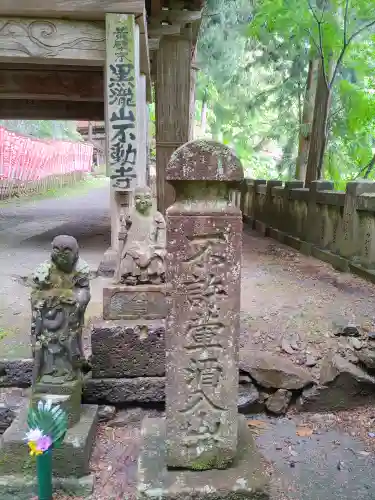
(285, 295)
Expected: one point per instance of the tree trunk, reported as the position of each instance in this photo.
(286, 155)
(204, 117)
(307, 119)
(369, 167)
(318, 139)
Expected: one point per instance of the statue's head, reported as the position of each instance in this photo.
(143, 199)
(65, 252)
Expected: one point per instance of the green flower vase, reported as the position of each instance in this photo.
(44, 475)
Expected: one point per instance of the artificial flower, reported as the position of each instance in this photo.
(33, 448)
(44, 443)
(34, 434)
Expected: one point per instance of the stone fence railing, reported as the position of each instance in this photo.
(335, 226)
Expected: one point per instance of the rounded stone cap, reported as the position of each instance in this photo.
(204, 160)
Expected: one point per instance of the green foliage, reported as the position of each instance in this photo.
(254, 60)
(51, 420)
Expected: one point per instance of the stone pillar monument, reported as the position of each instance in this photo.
(125, 101)
(182, 455)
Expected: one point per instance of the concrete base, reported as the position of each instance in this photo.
(293, 242)
(261, 227)
(276, 234)
(72, 459)
(22, 487)
(337, 262)
(246, 479)
(363, 272)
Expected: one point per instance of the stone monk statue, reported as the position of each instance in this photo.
(59, 298)
(142, 242)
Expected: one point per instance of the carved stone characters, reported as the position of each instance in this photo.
(59, 298)
(142, 242)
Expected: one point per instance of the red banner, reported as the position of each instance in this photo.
(25, 159)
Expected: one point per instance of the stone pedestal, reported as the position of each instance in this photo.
(134, 302)
(128, 346)
(71, 460)
(245, 479)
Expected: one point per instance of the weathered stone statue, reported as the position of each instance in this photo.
(142, 241)
(61, 292)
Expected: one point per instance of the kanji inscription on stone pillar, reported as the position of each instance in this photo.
(203, 272)
(121, 113)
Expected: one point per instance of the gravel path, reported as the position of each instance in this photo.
(26, 232)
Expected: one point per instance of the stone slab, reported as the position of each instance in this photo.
(116, 391)
(134, 302)
(368, 274)
(128, 348)
(16, 372)
(337, 262)
(245, 479)
(20, 487)
(276, 234)
(261, 227)
(72, 459)
(306, 248)
(293, 242)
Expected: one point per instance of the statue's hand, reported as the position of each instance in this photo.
(143, 260)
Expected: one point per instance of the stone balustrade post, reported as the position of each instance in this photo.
(312, 227)
(349, 234)
(270, 212)
(257, 215)
(287, 223)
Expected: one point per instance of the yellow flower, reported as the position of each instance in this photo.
(33, 448)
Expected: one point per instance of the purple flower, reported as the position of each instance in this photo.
(44, 443)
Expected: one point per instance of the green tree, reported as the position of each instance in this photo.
(332, 29)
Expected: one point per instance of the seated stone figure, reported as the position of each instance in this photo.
(142, 242)
(59, 298)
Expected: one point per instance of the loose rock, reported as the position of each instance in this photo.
(6, 417)
(310, 360)
(106, 413)
(349, 330)
(272, 371)
(335, 366)
(243, 378)
(367, 357)
(286, 347)
(356, 343)
(278, 402)
(248, 395)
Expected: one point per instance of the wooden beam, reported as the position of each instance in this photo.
(177, 16)
(63, 85)
(157, 30)
(52, 41)
(18, 109)
(70, 9)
